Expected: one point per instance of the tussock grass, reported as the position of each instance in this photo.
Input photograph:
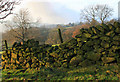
(108, 72)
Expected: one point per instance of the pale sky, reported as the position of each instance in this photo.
(61, 11)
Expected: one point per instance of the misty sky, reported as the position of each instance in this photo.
(61, 11)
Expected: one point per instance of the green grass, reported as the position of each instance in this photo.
(1, 52)
(75, 73)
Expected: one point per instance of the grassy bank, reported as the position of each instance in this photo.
(108, 72)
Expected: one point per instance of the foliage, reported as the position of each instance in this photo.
(95, 72)
(77, 29)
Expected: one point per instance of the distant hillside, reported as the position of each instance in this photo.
(47, 34)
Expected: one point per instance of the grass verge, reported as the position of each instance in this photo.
(108, 72)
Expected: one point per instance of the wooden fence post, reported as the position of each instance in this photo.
(6, 48)
(60, 35)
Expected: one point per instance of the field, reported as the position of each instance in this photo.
(85, 73)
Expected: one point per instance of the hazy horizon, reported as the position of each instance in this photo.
(60, 12)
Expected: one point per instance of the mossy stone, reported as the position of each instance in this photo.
(111, 54)
(116, 38)
(117, 30)
(95, 37)
(94, 29)
(108, 59)
(89, 43)
(100, 28)
(104, 38)
(76, 60)
(111, 27)
(105, 44)
(86, 63)
(105, 27)
(110, 33)
(65, 65)
(27, 65)
(93, 56)
(117, 24)
(87, 35)
(84, 39)
(117, 43)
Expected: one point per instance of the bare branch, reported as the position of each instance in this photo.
(20, 24)
(6, 7)
(96, 13)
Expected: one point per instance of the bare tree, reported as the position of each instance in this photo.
(98, 13)
(19, 25)
(6, 7)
